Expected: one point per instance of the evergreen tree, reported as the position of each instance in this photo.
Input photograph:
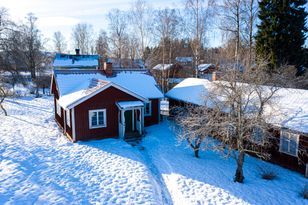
(281, 31)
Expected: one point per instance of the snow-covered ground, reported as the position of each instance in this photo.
(208, 180)
(39, 166)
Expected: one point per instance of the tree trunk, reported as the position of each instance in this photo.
(239, 174)
(5, 113)
(196, 152)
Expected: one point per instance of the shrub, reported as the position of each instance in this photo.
(305, 192)
(268, 173)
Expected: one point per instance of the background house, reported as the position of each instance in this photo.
(75, 61)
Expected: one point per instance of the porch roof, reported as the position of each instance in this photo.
(130, 104)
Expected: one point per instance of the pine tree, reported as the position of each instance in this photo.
(281, 31)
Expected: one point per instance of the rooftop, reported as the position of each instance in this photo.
(75, 61)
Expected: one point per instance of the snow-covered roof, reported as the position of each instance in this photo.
(203, 67)
(162, 67)
(184, 59)
(130, 104)
(290, 107)
(75, 61)
(74, 85)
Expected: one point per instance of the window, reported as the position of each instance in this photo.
(306, 174)
(148, 109)
(58, 108)
(68, 117)
(289, 143)
(257, 135)
(97, 118)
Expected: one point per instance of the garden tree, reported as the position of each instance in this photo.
(60, 44)
(196, 24)
(236, 114)
(32, 45)
(4, 93)
(102, 46)
(118, 30)
(141, 18)
(281, 32)
(82, 37)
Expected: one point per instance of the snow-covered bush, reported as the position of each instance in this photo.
(268, 173)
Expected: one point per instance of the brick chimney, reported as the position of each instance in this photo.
(214, 76)
(108, 68)
(77, 51)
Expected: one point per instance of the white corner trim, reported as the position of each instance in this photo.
(73, 125)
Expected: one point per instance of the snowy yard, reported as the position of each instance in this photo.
(39, 166)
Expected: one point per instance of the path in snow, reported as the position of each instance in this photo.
(160, 183)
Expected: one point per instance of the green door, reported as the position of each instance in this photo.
(128, 121)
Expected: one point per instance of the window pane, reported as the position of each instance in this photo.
(94, 118)
(101, 118)
(285, 144)
(293, 146)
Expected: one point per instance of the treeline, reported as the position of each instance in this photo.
(274, 31)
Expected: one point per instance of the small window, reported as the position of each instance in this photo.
(148, 109)
(231, 131)
(257, 136)
(306, 173)
(58, 107)
(68, 117)
(97, 118)
(289, 143)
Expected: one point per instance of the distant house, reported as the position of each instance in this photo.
(91, 103)
(290, 126)
(75, 61)
(206, 71)
(184, 60)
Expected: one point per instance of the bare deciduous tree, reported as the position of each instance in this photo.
(141, 20)
(82, 37)
(197, 21)
(235, 114)
(60, 44)
(118, 28)
(102, 46)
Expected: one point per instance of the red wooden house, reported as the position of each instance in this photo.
(90, 104)
(290, 125)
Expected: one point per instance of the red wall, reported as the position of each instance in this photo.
(104, 100)
(154, 118)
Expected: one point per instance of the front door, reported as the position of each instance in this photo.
(128, 121)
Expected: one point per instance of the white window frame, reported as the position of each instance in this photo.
(90, 118)
(68, 117)
(255, 139)
(58, 109)
(150, 109)
(289, 135)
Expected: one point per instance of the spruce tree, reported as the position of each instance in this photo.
(281, 31)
